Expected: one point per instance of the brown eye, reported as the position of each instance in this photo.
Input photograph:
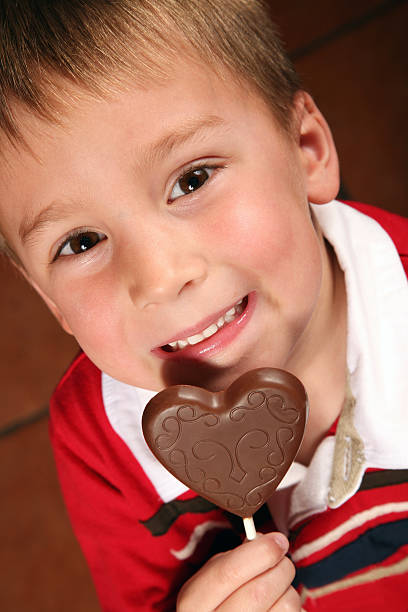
(191, 181)
(79, 243)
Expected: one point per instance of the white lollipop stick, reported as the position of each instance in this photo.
(249, 527)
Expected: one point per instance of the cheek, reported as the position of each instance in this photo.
(253, 231)
(91, 309)
(276, 242)
(106, 326)
(99, 328)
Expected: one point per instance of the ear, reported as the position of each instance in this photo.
(317, 150)
(51, 305)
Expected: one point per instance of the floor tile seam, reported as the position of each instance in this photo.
(16, 425)
(346, 28)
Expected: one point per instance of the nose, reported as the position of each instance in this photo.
(167, 267)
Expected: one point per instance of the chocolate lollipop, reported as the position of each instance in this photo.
(233, 447)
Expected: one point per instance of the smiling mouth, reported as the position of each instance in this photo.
(231, 314)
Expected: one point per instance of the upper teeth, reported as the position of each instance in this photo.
(211, 330)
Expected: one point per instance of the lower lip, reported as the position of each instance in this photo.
(216, 343)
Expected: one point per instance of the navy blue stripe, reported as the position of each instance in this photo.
(374, 546)
(383, 478)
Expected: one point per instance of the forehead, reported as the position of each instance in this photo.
(188, 89)
(58, 95)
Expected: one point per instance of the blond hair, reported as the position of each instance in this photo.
(95, 44)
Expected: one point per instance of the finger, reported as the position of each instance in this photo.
(261, 593)
(289, 602)
(229, 571)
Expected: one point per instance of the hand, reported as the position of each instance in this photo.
(255, 577)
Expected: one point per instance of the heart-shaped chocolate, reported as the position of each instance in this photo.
(232, 447)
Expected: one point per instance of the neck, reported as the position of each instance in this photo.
(323, 367)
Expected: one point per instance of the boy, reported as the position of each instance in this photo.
(159, 160)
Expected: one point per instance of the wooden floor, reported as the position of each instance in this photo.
(352, 58)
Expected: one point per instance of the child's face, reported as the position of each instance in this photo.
(152, 215)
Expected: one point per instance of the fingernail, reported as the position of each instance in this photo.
(280, 540)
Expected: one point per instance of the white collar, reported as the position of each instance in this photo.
(377, 357)
(377, 360)
(377, 343)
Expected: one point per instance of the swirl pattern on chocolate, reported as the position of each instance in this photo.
(232, 447)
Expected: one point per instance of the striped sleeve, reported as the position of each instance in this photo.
(355, 557)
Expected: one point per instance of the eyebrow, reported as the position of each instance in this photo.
(189, 130)
(58, 211)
